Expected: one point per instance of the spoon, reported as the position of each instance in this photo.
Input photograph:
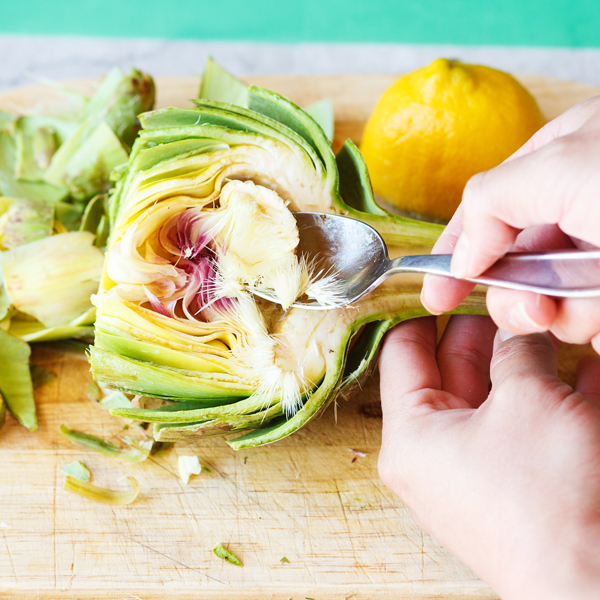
(357, 255)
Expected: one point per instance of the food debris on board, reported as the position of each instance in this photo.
(224, 554)
(77, 470)
(100, 494)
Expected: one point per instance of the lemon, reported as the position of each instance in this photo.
(436, 127)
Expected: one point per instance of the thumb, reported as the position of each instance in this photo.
(526, 366)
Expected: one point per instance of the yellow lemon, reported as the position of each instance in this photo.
(435, 128)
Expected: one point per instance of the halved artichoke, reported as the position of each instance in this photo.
(202, 218)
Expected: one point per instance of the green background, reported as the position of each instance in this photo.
(570, 23)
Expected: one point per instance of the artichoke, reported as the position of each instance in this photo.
(202, 217)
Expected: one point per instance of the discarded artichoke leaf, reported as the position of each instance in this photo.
(69, 215)
(26, 221)
(100, 494)
(34, 331)
(93, 391)
(224, 554)
(37, 139)
(76, 470)
(93, 213)
(15, 380)
(83, 164)
(121, 97)
(41, 376)
(86, 171)
(137, 452)
(7, 119)
(52, 279)
(11, 186)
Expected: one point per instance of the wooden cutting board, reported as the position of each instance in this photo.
(306, 498)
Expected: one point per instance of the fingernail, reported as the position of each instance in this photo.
(505, 335)
(423, 302)
(460, 257)
(520, 319)
(502, 336)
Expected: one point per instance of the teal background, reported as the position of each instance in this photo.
(567, 23)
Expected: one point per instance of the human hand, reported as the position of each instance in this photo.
(507, 480)
(546, 196)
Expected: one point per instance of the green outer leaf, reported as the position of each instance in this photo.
(218, 84)
(226, 423)
(15, 380)
(77, 470)
(355, 183)
(227, 555)
(358, 202)
(137, 377)
(94, 492)
(182, 413)
(281, 109)
(322, 113)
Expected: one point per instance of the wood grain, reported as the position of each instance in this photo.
(304, 498)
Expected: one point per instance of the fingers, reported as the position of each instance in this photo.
(441, 294)
(569, 122)
(588, 379)
(464, 355)
(554, 184)
(408, 363)
(577, 320)
(521, 312)
(525, 363)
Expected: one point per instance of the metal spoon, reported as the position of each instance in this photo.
(358, 256)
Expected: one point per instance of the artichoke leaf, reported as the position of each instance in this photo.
(15, 380)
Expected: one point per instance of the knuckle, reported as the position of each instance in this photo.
(475, 194)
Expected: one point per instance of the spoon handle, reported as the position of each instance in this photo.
(565, 273)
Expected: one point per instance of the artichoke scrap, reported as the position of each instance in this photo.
(54, 172)
(203, 217)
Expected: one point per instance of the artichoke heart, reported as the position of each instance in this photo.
(202, 225)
